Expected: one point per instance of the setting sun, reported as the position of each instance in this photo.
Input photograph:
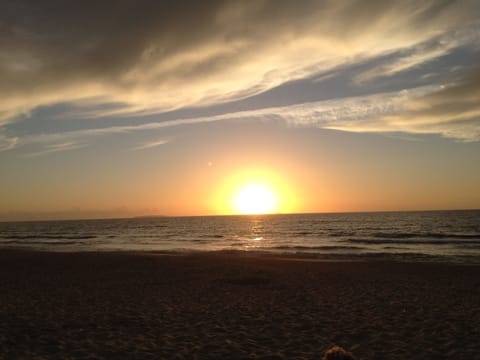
(255, 199)
(250, 191)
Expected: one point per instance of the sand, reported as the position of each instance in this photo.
(232, 306)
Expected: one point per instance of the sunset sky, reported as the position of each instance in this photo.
(130, 108)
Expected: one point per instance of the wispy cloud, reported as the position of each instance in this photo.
(320, 113)
(53, 148)
(451, 111)
(151, 144)
(7, 143)
(327, 114)
(423, 53)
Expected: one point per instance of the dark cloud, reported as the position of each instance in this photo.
(100, 39)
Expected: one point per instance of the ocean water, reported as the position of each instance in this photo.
(447, 236)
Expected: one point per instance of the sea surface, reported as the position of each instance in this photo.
(446, 236)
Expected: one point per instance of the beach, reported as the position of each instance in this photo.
(233, 305)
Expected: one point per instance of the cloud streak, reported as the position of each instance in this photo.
(319, 113)
(53, 148)
(334, 114)
(7, 143)
(452, 112)
(152, 144)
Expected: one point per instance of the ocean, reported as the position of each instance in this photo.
(445, 236)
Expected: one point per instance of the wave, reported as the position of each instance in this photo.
(303, 233)
(43, 236)
(425, 235)
(212, 236)
(341, 233)
(17, 242)
(319, 247)
(412, 242)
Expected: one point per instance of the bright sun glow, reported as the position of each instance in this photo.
(255, 199)
(254, 191)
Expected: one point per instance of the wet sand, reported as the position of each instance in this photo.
(233, 306)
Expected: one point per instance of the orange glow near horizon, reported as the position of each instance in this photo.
(254, 192)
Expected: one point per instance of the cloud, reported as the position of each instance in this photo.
(53, 148)
(361, 110)
(7, 143)
(155, 56)
(453, 111)
(413, 58)
(423, 53)
(151, 144)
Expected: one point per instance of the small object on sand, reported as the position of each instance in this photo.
(337, 353)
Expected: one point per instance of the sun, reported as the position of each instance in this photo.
(255, 198)
(253, 191)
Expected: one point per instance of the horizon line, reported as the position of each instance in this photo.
(236, 215)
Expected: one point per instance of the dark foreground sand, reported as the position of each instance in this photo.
(227, 306)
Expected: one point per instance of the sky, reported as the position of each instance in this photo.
(134, 108)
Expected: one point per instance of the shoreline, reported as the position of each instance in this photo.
(222, 305)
